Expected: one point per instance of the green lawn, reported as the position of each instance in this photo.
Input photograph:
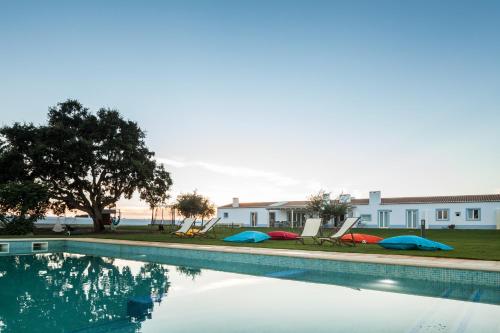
(470, 244)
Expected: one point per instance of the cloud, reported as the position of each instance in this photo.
(234, 171)
(174, 163)
(256, 184)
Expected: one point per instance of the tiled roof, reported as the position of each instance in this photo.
(385, 201)
(443, 199)
(293, 204)
(359, 201)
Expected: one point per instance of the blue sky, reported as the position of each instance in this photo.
(273, 100)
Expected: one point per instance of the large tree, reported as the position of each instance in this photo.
(86, 161)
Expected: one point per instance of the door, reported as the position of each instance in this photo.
(272, 219)
(253, 219)
(383, 218)
(412, 218)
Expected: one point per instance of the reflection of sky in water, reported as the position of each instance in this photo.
(187, 299)
(259, 304)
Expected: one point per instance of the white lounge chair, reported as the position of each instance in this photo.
(209, 226)
(183, 231)
(311, 230)
(346, 227)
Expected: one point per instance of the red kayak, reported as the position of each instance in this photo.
(362, 238)
(282, 235)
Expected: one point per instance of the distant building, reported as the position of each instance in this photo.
(462, 211)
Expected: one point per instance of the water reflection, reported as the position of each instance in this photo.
(189, 271)
(404, 285)
(79, 293)
(86, 293)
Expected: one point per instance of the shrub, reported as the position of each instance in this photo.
(17, 226)
(21, 204)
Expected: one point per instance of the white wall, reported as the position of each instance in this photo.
(428, 211)
(241, 215)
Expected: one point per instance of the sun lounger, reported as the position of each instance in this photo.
(311, 230)
(336, 238)
(209, 226)
(186, 226)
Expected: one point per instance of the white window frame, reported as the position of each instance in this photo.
(365, 217)
(256, 219)
(471, 210)
(387, 218)
(225, 215)
(438, 210)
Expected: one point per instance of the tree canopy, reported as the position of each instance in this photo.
(194, 205)
(154, 191)
(86, 161)
(21, 204)
(22, 201)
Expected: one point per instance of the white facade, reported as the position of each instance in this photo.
(376, 212)
(436, 215)
(249, 215)
(242, 216)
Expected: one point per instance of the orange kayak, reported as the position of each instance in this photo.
(362, 238)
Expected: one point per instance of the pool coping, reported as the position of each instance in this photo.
(387, 259)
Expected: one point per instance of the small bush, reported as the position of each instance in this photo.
(451, 226)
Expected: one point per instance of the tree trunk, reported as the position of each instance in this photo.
(98, 221)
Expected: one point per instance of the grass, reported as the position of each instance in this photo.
(468, 244)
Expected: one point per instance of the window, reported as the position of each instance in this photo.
(473, 214)
(442, 214)
(412, 218)
(384, 218)
(365, 217)
(253, 219)
(226, 215)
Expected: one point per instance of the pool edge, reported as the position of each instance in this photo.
(386, 259)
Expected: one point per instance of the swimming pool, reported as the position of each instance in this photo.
(88, 287)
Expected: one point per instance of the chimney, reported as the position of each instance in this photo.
(326, 198)
(236, 202)
(345, 198)
(375, 198)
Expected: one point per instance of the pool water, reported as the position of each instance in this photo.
(64, 292)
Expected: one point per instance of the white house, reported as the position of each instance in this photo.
(462, 211)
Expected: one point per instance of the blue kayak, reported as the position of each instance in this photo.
(248, 237)
(413, 243)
